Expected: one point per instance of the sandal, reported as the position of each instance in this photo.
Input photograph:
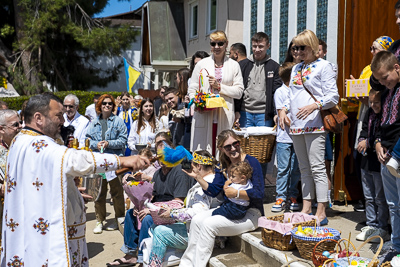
(121, 263)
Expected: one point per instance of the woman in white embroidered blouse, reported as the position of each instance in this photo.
(145, 128)
(306, 125)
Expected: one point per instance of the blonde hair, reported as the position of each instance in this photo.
(164, 109)
(307, 38)
(219, 35)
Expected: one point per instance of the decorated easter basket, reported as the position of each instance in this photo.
(206, 101)
(318, 257)
(306, 244)
(354, 260)
(258, 144)
(155, 213)
(276, 240)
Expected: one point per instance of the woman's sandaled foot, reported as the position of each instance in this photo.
(127, 260)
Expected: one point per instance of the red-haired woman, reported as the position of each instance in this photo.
(108, 134)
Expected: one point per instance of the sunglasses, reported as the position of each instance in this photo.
(300, 47)
(107, 103)
(15, 124)
(215, 43)
(69, 106)
(235, 144)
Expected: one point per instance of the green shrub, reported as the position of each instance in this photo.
(85, 99)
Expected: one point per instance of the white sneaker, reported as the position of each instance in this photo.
(99, 228)
(393, 167)
(382, 233)
(365, 233)
(113, 226)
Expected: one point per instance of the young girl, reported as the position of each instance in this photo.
(163, 118)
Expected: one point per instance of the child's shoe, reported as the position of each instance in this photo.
(278, 205)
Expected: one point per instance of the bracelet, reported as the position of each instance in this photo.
(238, 193)
(377, 140)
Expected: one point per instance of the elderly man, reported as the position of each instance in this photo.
(72, 117)
(44, 212)
(10, 125)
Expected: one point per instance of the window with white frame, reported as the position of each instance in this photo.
(211, 16)
(194, 11)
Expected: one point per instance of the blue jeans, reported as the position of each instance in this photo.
(391, 187)
(396, 151)
(248, 119)
(288, 171)
(132, 236)
(376, 208)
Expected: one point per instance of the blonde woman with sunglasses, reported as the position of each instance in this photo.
(221, 75)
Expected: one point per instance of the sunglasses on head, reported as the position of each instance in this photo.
(235, 144)
(300, 47)
(373, 48)
(69, 106)
(107, 103)
(215, 43)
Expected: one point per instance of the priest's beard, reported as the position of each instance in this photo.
(51, 128)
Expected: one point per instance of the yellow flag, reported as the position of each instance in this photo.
(131, 76)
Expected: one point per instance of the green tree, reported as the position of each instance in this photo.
(52, 42)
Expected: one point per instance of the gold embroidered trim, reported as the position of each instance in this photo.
(75, 238)
(63, 208)
(78, 224)
(30, 132)
(95, 166)
(118, 162)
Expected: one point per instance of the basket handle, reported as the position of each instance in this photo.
(342, 240)
(377, 251)
(320, 242)
(200, 77)
(296, 260)
(328, 261)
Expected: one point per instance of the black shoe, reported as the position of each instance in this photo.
(360, 207)
(388, 255)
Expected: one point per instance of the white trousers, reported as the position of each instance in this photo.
(310, 152)
(205, 227)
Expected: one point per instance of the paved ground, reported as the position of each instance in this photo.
(103, 247)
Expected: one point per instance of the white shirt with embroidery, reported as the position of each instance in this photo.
(320, 79)
(44, 218)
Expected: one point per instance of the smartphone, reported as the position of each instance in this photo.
(186, 164)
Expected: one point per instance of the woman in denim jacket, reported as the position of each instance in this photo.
(108, 134)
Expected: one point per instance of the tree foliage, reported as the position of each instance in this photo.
(52, 42)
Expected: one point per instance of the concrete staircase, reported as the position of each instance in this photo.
(248, 250)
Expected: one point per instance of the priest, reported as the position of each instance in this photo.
(44, 218)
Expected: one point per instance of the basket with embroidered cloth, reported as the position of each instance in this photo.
(204, 98)
(277, 229)
(258, 142)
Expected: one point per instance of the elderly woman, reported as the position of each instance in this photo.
(108, 134)
(204, 227)
(224, 78)
(307, 128)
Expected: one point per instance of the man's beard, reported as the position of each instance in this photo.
(51, 129)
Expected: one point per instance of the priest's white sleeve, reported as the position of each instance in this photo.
(82, 162)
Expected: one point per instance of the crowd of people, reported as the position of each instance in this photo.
(223, 191)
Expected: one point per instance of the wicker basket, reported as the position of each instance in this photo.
(305, 245)
(317, 258)
(276, 240)
(155, 214)
(386, 264)
(258, 146)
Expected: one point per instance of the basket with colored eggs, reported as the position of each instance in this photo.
(319, 258)
(204, 99)
(306, 238)
(354, 260)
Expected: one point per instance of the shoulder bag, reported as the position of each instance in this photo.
(332, 118)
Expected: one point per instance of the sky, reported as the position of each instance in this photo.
(117, 7)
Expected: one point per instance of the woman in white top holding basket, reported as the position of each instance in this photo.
(306, 124)
(218, 75)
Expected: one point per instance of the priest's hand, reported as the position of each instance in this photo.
(134, 162)
(143, 213)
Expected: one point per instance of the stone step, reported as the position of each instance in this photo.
(253, 252)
